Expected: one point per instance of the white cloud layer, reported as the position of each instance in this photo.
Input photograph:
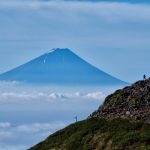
(5, 84)
(21, 132)
(32, 107)
(7, 97)
(11, 147)
(9, 92)
(111, 12)
(5, 124)
(35, 112)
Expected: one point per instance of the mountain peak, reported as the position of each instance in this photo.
(132, 102)
(60, 66)
(58, 50)
(60, 54)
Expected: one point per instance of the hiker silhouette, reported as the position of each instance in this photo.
(144, 77)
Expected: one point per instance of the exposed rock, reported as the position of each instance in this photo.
(119, 124)
(132, 102)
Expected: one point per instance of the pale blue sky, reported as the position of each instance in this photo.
(112, 36)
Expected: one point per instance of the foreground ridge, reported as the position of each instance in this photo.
(132, 102)
(99, 134)
(121, 123)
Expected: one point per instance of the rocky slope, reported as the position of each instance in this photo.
(121, 123)
(132, 102)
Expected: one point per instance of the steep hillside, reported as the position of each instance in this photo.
(99, 134)
(132, 102)
(121, 123)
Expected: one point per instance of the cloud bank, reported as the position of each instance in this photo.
(14, 97)
(20, 133)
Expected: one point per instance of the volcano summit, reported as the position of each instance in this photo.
(60, 67)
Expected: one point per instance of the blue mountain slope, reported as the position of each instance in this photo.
(59, 66)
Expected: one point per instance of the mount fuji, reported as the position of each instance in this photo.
(60, 67)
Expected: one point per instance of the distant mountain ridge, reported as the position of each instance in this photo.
(60, 66)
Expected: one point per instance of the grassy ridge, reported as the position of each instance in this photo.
(99, 134)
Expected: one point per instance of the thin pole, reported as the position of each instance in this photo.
(76, 118)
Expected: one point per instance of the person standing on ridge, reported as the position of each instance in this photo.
(144, 77)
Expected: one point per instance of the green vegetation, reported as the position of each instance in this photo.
(135, 101)
(112, 99)
(126, 124)
(99, 134)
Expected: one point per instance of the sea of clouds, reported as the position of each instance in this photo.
(18, 137)
(28, 114)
